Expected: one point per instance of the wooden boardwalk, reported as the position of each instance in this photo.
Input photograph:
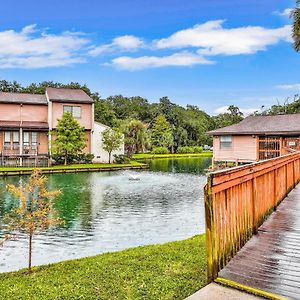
(270, 260)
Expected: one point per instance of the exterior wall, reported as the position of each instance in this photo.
(243, 149)
(101, 156)
(26, 112)
(1, 141)
(86, 119)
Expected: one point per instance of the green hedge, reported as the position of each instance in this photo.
(160, 150)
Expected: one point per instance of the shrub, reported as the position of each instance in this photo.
(185, 150)
(160, 150)
(197, 149)
(73, 159)
(121, 159)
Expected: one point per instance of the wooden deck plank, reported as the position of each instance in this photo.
(270, 260)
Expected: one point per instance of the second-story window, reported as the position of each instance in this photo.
(225, 141)
(74, 110)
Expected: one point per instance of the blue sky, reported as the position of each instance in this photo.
(206, 53)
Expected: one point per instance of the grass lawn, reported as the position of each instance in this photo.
(150, 155)
(169, 271)
(75, 166)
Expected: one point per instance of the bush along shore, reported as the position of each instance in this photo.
(171, 155)
(173, 270)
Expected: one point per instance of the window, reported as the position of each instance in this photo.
(225, 141)
(74, 110)
(33, 140)
(7, 139)
(26, 139)
(16, 140)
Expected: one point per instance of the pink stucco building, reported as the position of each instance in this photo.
(26, 121)
(257, 138)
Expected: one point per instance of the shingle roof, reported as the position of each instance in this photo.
(68, 95)
(271, 125)
(25, 124)
(22, 98)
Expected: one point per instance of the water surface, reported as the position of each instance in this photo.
(108, 212)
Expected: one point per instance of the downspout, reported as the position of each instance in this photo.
(21, 135)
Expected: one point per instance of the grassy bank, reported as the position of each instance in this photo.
(169, 271)
(72, 168)
(171, 155)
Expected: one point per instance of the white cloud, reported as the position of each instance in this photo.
(143, 62)
(213, 39)
(245, 111)
(293, 86)
(285, 13)
(27, 49)
(125, 42)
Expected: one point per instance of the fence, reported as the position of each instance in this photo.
(238, 200)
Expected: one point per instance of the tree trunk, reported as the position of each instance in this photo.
(66, 160)
(109, 155)
(30, 253)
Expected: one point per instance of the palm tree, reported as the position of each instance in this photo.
(296, 26)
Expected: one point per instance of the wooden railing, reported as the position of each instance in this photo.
(238, 200)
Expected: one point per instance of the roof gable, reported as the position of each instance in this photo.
(68, 95)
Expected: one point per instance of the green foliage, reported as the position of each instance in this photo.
(112, 140)
(189, 125)
(136, 136)
(185, 149)
(121, 159)
(296, 26)
(160, 150)
(69, 137)
(233, 116)
(34, 211)
(161, 133)
(197, 149)
(82, 158)
(170, 271)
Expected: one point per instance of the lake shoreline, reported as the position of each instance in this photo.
(13, 171)
(146, 156)
(171, 270)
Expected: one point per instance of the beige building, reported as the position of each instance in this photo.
(26, 121)
(257, 138)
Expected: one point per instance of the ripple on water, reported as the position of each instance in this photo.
(108, 212)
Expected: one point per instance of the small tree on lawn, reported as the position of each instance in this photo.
(34, 211)
(112, 140)
(69, 137)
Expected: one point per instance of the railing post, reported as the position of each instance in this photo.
(254, 226)
(274, 189)
(209, 219)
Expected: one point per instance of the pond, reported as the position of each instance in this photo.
(108, 212)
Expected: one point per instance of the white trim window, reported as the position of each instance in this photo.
(34, 140)
(7, 139)
(225, 142)
(74, 110)
(26, 139)
(16, 140)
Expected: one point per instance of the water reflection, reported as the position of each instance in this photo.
(107, 212)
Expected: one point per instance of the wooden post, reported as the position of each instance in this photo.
(254, 227)
(211, 268)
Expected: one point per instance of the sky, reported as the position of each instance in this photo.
(206, 53)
